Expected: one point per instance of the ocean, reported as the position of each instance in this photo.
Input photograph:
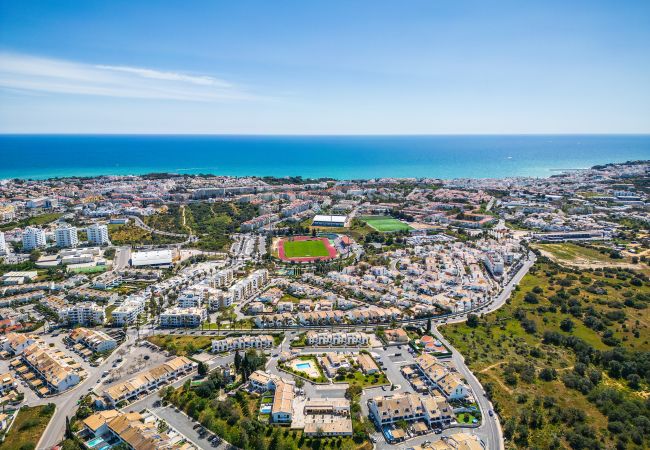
(340, 157)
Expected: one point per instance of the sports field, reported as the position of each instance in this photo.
(303, 249)
(385, 224)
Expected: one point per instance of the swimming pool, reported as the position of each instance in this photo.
(265, 409)
(304, 365)
(95, 442)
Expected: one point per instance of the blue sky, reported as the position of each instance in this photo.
(328, 67)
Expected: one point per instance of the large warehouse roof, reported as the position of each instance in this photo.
(328, 218)
(151, 258)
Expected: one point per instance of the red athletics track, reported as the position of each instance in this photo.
(330, 249)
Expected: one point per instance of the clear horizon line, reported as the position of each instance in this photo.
(2, 134)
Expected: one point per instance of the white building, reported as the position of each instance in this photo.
(98, 234)
(183, 317)
(66, 237)
(190, 299)
(152, 258)
(249, 285)
(494, 263)
(95, 340)
(84, 313)
(3, 244)
(16, 343)
(33, 238)
(242, 343)
(336, 338)
(222, 278)
(128, 312)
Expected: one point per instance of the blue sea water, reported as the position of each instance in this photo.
(341, 157)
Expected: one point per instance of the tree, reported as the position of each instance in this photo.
(34, 255)
(203, 369)
(472, 321)
(567, 325)
(238, 360)
(68, 430)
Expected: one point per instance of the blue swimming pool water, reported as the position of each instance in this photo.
(265, 409)
(305, 365)
(95, 442)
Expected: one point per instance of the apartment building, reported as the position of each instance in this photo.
(439, 376)
(336, 338)
(33, 238)
(51, 365)
(434, 411)
(95, 340)
(494, 263)
(3, 244)
(66, 236)
(98, 234)
(16, 343)
(190, 298)
(127, 313)
(135, 430)
(183, 317)
(149, 381)
(222, 278)
(7, 383)
(282, 410)
(326, 417)
(249, 285)
(242, 343)
(85, 313)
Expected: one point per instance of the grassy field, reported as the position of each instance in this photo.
(302, 249)
(385, 224)
(28, 427)
(181, 345)
(507, 351)
(585, 257)
(31, 221)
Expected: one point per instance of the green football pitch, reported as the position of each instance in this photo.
(385, 224)
(303, 249)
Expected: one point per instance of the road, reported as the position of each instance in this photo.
(122, 257)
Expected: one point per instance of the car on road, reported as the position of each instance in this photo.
(438, 431)
(491, 413)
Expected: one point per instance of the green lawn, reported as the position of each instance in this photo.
(28, 427)
(302, 249)
(385, 224)
(181, 345)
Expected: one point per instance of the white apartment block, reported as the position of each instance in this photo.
(183, 317)
(16, 343)
(222, 278)
(66, 237)
(190, 299)
(84, 313)
(336, 338)
(242, 343)
(249, 285)
(127, 313)
(3, 244)
(52, 366)
(98, 234)
(149, 381)
(33, 238)
(95, 340)
(494, 263)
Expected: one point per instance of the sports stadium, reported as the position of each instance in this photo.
(309, 249)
